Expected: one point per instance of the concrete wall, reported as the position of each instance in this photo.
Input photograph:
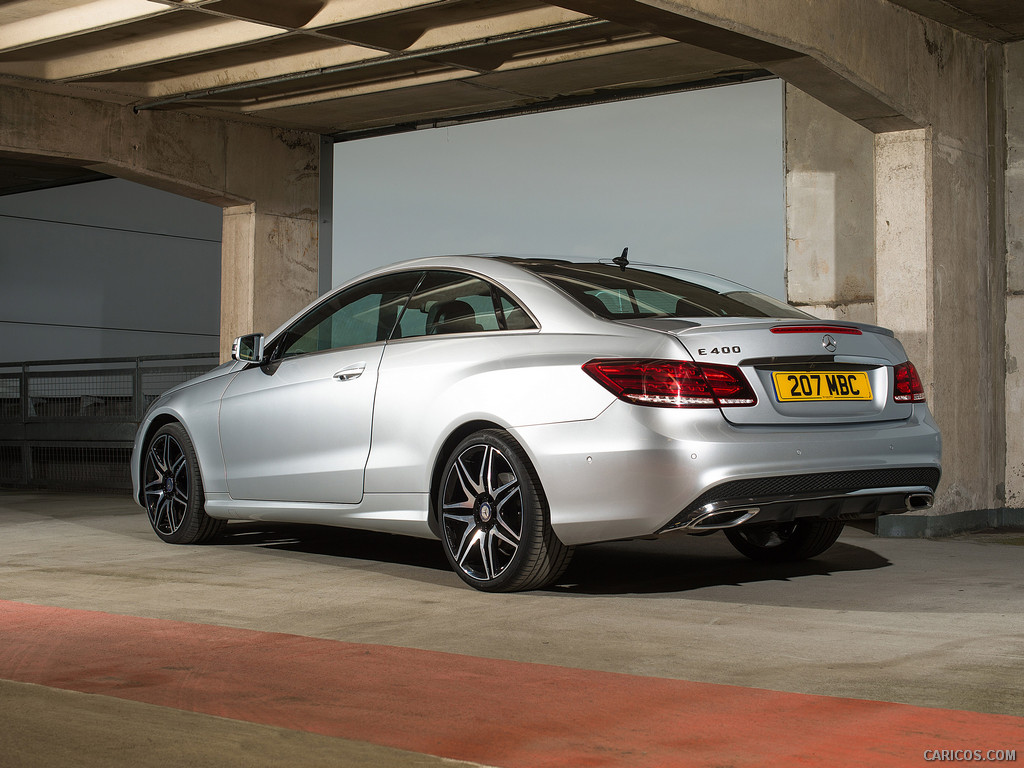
(1014, 217)
(858, 224)
(903, 245)
(830, 225)
(107, 269)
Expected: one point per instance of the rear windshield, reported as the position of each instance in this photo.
(642, 292)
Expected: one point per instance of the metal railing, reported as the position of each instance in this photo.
(70, 424)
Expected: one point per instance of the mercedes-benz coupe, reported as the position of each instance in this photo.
(516, 408)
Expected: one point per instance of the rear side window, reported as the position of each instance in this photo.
(454, 302)
(516, 318)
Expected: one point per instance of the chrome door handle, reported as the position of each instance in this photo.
(351, 372)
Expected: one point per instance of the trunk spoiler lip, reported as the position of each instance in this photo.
(679, 326)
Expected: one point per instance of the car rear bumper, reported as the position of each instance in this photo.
(636, 471)
(855, 495)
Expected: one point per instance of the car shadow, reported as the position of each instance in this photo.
(328, 541)
(673, 564)
(689, 564)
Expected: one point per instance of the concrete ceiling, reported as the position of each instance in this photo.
(998, 21)
(354, 68)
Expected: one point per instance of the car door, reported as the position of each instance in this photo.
(445, 365)
(297, 428)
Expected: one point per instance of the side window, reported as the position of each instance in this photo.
(362, 314)
(452, 302)
(516, 318)
(658, 303)
(663, 304)
(613, 302)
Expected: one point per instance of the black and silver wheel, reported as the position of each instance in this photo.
(785, 542)
(174, 489)
(494, 519)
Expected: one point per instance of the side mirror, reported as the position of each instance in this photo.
(248, 349)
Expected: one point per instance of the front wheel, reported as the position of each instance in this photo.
(785, 542)
(495, 525)
(173, 489)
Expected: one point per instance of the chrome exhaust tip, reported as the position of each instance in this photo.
(919, 501)
(713, 520)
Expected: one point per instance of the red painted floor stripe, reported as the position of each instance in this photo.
(502, 713)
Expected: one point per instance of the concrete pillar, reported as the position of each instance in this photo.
(266, 179)
(1014, 240)
(325, 221)
(967, 278)
(829, 211)
(268, 270)
(939, 286)
(269, 253)
(237, 276)
(902, 244)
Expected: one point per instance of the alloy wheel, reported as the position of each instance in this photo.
(767, 536)
(785, 542)
(167, 484)
(482, 512)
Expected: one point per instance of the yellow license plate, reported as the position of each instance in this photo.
(798, 386)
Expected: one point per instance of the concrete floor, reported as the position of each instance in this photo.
(919, 622)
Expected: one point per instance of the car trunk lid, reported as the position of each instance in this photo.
(802, 371)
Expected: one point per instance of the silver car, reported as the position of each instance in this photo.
(515, 408)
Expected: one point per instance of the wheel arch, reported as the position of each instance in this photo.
(454, 437)
(160, 420)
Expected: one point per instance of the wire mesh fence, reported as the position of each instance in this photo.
(70, 424)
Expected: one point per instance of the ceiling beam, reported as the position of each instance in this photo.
(640, 15)
(446, 42)
(296, 97)
(71, 21)
(210, 34)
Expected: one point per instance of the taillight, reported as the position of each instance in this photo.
(907, 387)
(673, 383)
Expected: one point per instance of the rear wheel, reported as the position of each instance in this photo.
(785, 542)
(174, 489)
(495, 526)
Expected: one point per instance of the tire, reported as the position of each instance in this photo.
(494, 522)
(785, 542)
(173, 489)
